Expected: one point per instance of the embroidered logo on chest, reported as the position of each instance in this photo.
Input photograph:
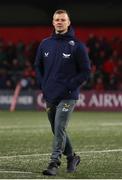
(46, 54)
(66, 56)
(72, 43)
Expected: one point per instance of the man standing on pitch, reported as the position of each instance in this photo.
(62, 65)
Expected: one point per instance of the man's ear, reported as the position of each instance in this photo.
(69, 22)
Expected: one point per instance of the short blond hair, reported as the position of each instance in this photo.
(61, 11)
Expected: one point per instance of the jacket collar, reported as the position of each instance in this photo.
(68, 35)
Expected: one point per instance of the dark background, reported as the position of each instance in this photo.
(39, 12)
(23, 24)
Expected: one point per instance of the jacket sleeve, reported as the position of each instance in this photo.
(39, 68)
(83, 67)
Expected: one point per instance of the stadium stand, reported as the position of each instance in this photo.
(16, 62)
(21, 19)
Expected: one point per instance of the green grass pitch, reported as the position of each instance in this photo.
(26, 144)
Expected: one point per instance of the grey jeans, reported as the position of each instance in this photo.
(58, 116)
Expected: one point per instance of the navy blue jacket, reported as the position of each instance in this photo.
(62, 65)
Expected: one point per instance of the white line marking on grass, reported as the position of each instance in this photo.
(112, 124)
(48, 154)
(24, 155)
(23, 127)
(101, 151)
(10, 171)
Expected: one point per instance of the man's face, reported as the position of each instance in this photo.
(61, 22)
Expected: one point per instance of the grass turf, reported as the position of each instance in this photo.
(26, 144)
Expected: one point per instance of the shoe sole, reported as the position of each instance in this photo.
(47, 173)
